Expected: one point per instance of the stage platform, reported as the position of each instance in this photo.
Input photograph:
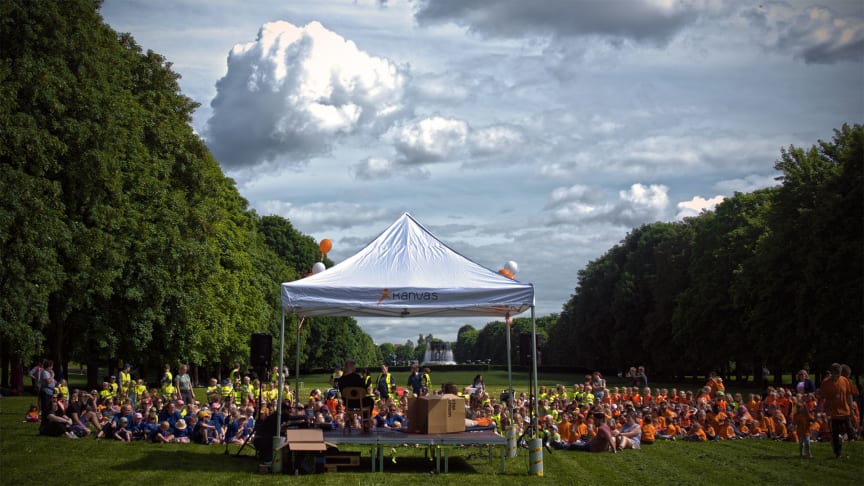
(438, 445)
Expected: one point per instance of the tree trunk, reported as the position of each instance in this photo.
(93, 374)
(5, 362)
(17, 374)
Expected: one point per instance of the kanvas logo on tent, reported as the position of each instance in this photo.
(407, 296)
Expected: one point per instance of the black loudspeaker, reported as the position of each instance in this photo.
(525, 348)
(260, 349)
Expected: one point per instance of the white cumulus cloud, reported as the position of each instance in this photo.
(642, 204)
(696, 205)
(431, 139)
(294, 91)
(637, 205)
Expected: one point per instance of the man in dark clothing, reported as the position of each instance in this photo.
(351, 379)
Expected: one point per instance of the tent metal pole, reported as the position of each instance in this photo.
(535, 390)
(297, 369)
(281, 377)
(509, 369)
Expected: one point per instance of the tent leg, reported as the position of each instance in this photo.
(281, 384)
(509, 369)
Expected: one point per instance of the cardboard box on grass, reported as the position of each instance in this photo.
(303, 450)
(436, 414)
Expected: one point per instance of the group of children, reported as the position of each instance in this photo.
(84, 414)
(709, 414)
(635, 415)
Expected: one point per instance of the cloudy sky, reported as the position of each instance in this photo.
(534, 131)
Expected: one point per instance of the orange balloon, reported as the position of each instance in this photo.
(325, 246)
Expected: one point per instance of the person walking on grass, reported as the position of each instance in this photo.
(836, 395)
(803, 421)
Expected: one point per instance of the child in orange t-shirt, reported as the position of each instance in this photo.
(780, 432)
(803, 420)
(648, 430)
(670, 432)
(32, 414)
(824, 428)
(756, 431)
(565, 428)
(725, 430)
(697, 433)
(753, 404)
(766, 423)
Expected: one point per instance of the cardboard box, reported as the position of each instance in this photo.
(306, 440)
(303, 451)
(436, 414)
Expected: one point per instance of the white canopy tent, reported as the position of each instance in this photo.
(407, 272)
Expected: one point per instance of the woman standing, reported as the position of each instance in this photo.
(803, 383)
(598, 386)
(46, 386)
(184, 384)
(478, 383)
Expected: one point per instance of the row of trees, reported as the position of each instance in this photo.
(120, 237)
(769, 278)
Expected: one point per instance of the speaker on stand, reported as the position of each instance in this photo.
(260, 351)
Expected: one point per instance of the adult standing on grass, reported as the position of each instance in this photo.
(803, 383)
(415, 383)
(384, 384)
(46, 386)
(426, 381)
(836, 396)
(478, 383)
(854, 422)
(184, 384)
(598, 386)
(34, 375)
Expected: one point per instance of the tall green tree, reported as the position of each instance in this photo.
(805, 283)
(120, 235)
(466, 341)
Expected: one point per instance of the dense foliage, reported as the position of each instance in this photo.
(769, 279)
(120, 237)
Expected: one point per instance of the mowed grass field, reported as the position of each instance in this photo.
(27, 458)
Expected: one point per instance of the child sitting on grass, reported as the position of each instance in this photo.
(164, 434)
(33, 415)
(123, 432)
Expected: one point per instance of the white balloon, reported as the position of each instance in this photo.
(512, 266)
(318, 268)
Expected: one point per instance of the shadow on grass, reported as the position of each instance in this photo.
(414, 465)
(211, 460)
(204, 459)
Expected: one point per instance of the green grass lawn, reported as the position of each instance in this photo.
(27, 458)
